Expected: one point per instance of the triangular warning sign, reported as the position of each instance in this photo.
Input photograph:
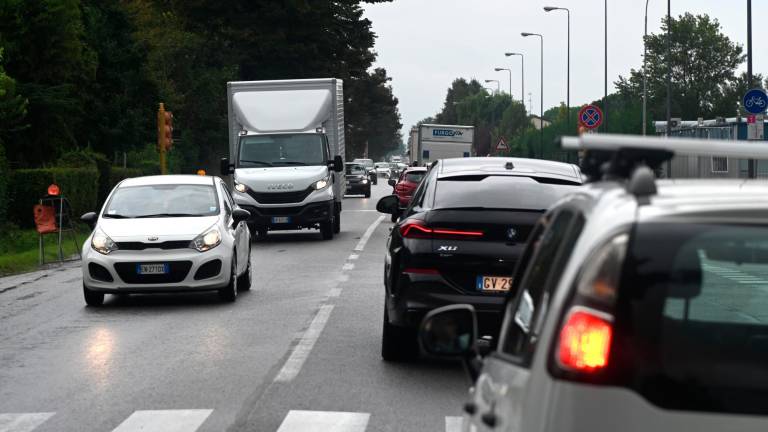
(502, 145)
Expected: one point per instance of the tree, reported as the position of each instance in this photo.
(703, 61)
(13, 107)
(460, 89)
(373, 122)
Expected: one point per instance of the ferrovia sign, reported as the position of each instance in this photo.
(447, 133)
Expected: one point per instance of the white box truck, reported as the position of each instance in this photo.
(431, 142)
(286, 147)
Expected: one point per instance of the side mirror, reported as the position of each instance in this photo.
(337, 164)
(90, 218)
(392, 182)
(240, 215)
(225, 167)
(390, 204)
(449, 332)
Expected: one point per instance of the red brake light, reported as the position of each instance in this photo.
(418, 229)
(585, 340)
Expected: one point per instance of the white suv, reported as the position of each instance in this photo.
(638, 305)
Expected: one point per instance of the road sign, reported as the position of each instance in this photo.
(755, 101)
(591, 117)
(756, 129)
(502, 145)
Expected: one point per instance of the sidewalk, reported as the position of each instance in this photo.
(8, 283)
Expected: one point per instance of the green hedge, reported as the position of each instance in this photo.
(79, 185)
(3, 186)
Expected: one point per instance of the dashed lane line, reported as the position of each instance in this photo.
(301, 352)
(23, 422)
(367, 235)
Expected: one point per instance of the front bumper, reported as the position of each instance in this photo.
(190, 270)
(300, 216)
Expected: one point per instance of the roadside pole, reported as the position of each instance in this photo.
(161, 137)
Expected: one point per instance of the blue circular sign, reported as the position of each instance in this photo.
(755, 101)
(590, 117)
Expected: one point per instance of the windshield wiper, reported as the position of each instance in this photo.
(160, 215)
(291, 163)
(256, 162)
(116, 216)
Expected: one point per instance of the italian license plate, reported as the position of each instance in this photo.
(281, 219)
(494, 283)
(153, 269)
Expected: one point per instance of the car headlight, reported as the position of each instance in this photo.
(102, 244)
(240, 187)
(365, 181)
(322, 184)
(207, 240)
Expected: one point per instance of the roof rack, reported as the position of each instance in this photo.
(618, 157)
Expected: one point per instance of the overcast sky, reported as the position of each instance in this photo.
(426, 44)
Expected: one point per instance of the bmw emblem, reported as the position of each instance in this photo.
(511, 234)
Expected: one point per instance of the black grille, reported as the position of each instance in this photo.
(178, 271)
(208, 270)
(280, 197)
(279, 211)
(100, 273)
(168, 245)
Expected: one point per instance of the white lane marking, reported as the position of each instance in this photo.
(353, 257)
(364, 239)
(301, 351)
(23, 422)
(347, 267)
(334, 292)
(187, 420)
(453, 424)
(325, 421)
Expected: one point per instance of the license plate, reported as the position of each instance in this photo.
(281, 219)
(150, 269)
(494, 283)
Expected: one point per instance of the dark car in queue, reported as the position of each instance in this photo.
(405, 186)
(369, 166)
(358, 182)
(459, 239)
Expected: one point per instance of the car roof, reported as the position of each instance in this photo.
(416, 169)
(509, 166)
(168, 180)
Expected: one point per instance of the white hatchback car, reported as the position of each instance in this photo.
(167, 234)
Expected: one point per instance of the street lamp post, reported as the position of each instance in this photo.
(489, 90)
(541, 93)
(645, 72)
(522, 75)
(568, 79)
(498, 85)
(510, 78)
(605, 83)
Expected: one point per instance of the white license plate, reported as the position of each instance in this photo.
(150, 269)
(281, 220)
(494, 283)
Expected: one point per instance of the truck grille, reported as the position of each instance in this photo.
(281, 197)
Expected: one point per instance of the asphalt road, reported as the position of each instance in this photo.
(299, 352)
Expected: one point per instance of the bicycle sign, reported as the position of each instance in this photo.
(755, 101)
(591, 117)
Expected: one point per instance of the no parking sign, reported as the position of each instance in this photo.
(591, 117)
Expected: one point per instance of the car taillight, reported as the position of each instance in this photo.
(585, 340)
(419, 229)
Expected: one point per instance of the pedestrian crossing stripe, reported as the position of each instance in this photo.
(310, 421)
(23, 422)
(188, 420)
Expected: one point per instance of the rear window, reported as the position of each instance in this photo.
(497, 192)
(692, 318)
(415, 177)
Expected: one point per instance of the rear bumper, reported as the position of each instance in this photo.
(358, 188)
(301, 216)
(419, 294)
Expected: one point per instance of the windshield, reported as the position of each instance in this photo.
(368, 163)
(415, 177)
(696, 298)
(355, 170)
(382, 165)
(282, 150)
(499, 192)
(162, 201)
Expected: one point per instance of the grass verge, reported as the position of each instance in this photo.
(19, 248)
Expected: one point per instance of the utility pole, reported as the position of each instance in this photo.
(605, 84)
(669, 78)
(751, 163)
(161, 147)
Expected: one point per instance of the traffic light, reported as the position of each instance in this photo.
(168, 130)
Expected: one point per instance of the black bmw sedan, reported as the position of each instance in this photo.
(460, 238)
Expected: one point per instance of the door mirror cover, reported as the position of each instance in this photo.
(337, 164)
(240, 215)
(449, 332)
(225, 167)
(388, 204)
(90, 218)
(392, 182)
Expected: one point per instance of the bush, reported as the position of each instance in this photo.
(87, 158)
(27, 186)
(3, 186)
(119, 174)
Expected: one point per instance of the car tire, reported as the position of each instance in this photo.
(326, 229)
(368, 193)
(93, 298)
(245, 280)
(229, 292)
(397, 343)
(337, 223)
